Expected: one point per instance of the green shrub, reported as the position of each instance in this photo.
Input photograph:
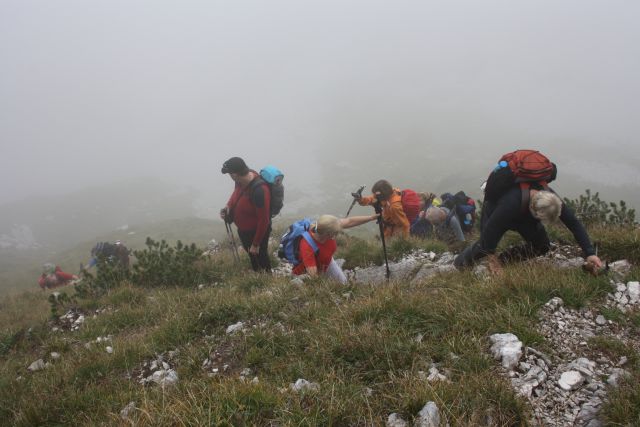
(163, 265)
(109, 275)
(593, 211)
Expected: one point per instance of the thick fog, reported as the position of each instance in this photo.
(337, 93)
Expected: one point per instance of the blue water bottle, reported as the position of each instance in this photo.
(500, 165)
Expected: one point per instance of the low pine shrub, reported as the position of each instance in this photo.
(163, 265)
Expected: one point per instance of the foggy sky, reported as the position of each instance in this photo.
(91, 91)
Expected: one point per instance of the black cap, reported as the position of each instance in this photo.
(235, 165)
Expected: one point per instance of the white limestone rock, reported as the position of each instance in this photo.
(395, 420)
(429, 416)
(38, 365)
(570, 380)
(554, 303)
(507, 348)
(164, 377)
(236, 327)
(621, 267)
(435, 375)
(633, 291)
(303, 385)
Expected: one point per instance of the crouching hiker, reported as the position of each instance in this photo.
(522, 202)
(310, 246)
(440, 223)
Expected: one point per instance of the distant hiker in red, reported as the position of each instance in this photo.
(249, 209)
(52, 277)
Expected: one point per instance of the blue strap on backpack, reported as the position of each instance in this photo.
(289, 249)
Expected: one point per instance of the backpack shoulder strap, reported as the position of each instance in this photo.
(450, 215)
(307, 236)
(525, 189)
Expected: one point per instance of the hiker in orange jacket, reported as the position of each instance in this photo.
(395, 222)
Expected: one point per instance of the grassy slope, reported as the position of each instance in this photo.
(21, 271)
(345, 339)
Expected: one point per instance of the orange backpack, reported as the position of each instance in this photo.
(522, 168)
(530, 166)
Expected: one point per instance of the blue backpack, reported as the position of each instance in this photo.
(289, 249)
(461, 205)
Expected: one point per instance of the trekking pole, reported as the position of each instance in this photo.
(234, 247)
(378, 209)
(356, 196)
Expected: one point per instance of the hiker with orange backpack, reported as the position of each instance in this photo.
(399, 208)
(518, 198)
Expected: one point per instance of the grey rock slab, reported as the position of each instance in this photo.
(446, 258)
(600, 320)
(377, 274)
(429, 270)
(616, 375)
(585, 366)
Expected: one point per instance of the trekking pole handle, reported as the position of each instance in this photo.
(357, 195)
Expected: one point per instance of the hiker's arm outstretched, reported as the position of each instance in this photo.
(568, 218)
(354, 221)
(366, 200)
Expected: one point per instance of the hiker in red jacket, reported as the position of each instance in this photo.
(249, 209)
(52, 277)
